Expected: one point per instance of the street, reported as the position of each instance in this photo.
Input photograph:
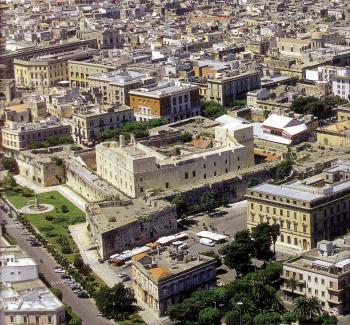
(84, 308)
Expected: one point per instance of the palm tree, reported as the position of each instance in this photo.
(292, 283)
(307, 308)
(275, 232)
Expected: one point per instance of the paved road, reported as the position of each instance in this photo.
(85, 308)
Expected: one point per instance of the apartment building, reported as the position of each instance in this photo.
(88, 121)
(80, 71)
(25, 298)
(165, 161)
(169, 100)
(307, 211)
(116, 226)
(115, 86)
(224, 90)
(164, 279)
(17, 136)
(323, 272)
(293, 47)
(46, 71)
(7, 58)
(341, 84)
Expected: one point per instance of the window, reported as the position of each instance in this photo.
(166, 185)
(49, 319)
(194, 173)
(186, 175)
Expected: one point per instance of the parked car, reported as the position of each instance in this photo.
(123, 274)
(126, 278)
(65, 276)
(59, 270)
(35, 244)
(83, 295)
(100, 260)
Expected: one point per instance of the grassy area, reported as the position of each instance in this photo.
(134, 319)
(9, 238)
(53, 225)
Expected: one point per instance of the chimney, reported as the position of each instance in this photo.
(121, 141)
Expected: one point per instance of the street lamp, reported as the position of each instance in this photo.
(240, 304)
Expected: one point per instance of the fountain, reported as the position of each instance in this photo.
(36, 207)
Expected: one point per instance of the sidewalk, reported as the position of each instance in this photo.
(62, 189)
(91, 256)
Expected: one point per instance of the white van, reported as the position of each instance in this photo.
(183, 247)
(206, 242)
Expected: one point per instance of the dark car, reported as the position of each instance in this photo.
(82, 295)
(35, 244)
(100, 260)
(65, 276)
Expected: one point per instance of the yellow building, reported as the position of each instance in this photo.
(46, 71)
(307, 211)
(337, 134)
(80, 71)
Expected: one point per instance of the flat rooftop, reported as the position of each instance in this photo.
(120, 77)
(334, 265)
(167, 265)
(123, 212)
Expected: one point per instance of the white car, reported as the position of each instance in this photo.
(123, 275)
(60, 270)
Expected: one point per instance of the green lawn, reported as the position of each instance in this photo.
(57, 225)
(134, 319)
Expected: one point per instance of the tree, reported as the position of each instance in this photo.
(237, 254)
(322, 108)
(9, 181)
(326, 319)
(186, 311)
(268, 318)
(64, 208)
(292, 283)
(180, 203)
(275, 232)
(307, 309)
(155, 122)
(212, 109)
(239, 103)
(283, 169)
(209, 316)
(108, 134)
(10, 164)
(117, 302)
(262, 237)
(186, 137)
(209, 201)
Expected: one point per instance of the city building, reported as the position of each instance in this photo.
(116, 226)
(80, 71)
(165, 160)
(341, 84)
(324, 273)
(229, 87)
(163, 279)
(168, 100)
(17, 136)
(88, 121)
(24, 298)
(46, 71)
(115, 86)
(307, 211)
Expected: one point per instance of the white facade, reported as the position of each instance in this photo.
(341, 84)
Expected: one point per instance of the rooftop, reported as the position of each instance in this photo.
(165, 265)
(110, 215)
